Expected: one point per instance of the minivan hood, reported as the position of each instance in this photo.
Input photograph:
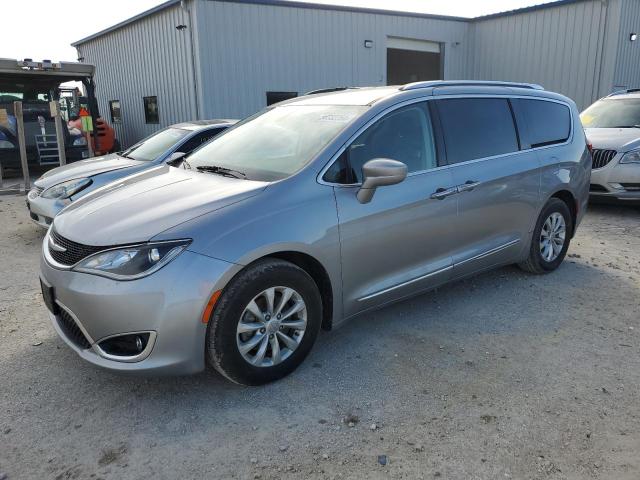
(85, 168)
(143, 205)
(620, 139)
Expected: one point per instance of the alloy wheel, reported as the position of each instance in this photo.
(552, 237)
(271, 326)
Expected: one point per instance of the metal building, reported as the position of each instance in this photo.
(188, 59)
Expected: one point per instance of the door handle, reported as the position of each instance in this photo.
(442, 193)
(467, 186)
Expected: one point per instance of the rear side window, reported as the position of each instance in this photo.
(545, 123)
(476, 128)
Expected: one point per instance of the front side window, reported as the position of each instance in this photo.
(476, 128)
(151, 114)
(198, 139)
(405, 135)
(277, 142)
(155, 145)
(612, 113)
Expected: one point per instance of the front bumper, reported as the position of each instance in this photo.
(169, 303)
(616, 181)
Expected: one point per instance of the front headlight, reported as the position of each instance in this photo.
(80, 142)
(136, 261)
(66, 189)
(631, 157)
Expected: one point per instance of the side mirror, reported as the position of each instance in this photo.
(378, 173)
(174, 158)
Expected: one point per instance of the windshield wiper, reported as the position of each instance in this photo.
(626, 126)
(227, 172)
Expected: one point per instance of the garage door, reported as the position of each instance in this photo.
(411, 60)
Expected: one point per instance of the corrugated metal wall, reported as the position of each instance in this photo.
(146, 58)
(243, 50)
(248, 49)
(569, 48)
(627, 71)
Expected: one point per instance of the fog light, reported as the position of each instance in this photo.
(128, 345)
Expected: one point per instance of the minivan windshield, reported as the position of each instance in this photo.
(274, 144)
(152, 147)
(610, 113)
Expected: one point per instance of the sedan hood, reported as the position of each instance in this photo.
(85, 168)
(141, 206)
(620, 139)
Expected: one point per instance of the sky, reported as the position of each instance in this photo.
(53, 24)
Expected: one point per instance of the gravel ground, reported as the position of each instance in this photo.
(505, 375)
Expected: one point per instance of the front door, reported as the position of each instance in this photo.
(397, 244)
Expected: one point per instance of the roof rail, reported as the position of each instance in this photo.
(468, 83)
(622, 92)
(328, 90)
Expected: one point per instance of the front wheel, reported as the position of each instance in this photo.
(265, 323)
(551, 238)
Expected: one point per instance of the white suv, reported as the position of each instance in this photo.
(612, 125)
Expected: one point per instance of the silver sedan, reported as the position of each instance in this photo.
(62, 185)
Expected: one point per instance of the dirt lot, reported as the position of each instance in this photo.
(505, 375)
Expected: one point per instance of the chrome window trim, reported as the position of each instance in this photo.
(394, 107)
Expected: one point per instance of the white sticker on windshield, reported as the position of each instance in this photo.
(336, 117)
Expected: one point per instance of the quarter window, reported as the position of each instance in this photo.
(477, 128)
(546, 122)
(405, 135)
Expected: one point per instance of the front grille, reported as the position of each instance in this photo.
(74, 252)
(634, 187)
(596, 188)
(602, 157)
(70, 328)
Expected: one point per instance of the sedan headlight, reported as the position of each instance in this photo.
(631, 157)
(136, 261)
(66, 189)
(80, 142)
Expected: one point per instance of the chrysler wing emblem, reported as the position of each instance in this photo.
(54, 246)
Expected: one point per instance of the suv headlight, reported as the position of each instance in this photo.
(80, 142)
(66, 189)
(130, 263)
(631, 157)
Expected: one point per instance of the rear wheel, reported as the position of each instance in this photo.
(265, 323)
(551, 238)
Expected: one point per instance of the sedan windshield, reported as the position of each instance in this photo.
(274, 144)
(610, 113)
(152, 147)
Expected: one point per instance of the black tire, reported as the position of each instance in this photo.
(535, 263)
(221, 344)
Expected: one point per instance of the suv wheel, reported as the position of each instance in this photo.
(265, 323)
(551, 238)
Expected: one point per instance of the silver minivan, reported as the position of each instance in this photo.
(309, 213)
